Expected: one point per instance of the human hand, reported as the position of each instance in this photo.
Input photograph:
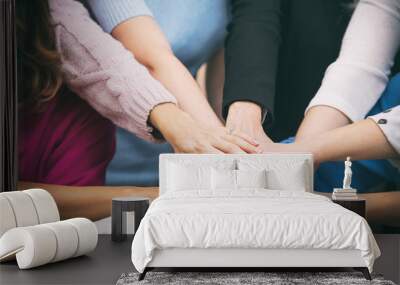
(245, 117)
(187, 136)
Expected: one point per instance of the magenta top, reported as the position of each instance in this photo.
(70, 143)
(67, 144)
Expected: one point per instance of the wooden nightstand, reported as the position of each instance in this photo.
(357, 206)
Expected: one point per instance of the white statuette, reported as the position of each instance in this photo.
(348, 173)
(347, 192)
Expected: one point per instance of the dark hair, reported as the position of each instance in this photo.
(38, 60)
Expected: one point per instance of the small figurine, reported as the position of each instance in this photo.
(348, 173)
(347, 192)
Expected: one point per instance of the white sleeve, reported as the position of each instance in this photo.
(389, 122)
(355, 81)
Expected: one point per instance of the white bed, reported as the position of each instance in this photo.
(198, 225)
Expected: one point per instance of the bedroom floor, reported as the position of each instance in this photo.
(111, 260)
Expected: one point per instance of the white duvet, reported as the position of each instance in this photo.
(250, 218)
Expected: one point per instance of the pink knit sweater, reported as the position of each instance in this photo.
(102, 72)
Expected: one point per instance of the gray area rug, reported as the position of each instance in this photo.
(232, 278)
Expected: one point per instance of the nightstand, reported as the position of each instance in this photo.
(122, 205)
(357, 206)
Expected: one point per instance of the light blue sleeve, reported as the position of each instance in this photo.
(110, 13)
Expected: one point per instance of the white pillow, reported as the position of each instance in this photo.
(293, 178)
(251, 178)
(223, 179)
(182, 177)
(284, 174)
(235, 179)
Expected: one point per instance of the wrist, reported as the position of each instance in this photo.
(310, 146)
(167, 118)
(248, 110)
(245, 117)
(161, 115)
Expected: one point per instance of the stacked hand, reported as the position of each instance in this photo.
(243, 132)
(187, 136)
(245, 117)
